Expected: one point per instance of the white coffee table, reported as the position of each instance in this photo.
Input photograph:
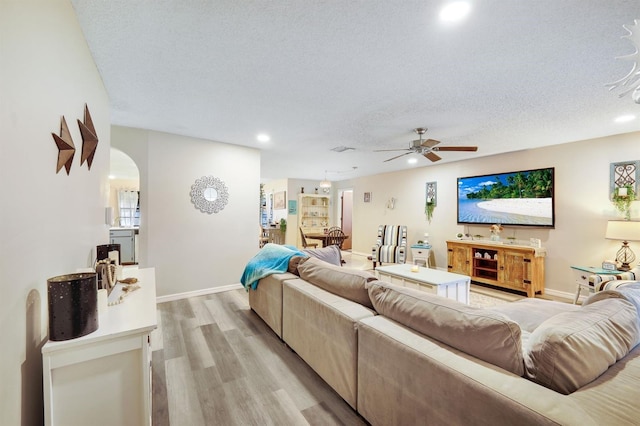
(442, 283)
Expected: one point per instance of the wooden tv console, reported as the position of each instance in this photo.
(510, 266)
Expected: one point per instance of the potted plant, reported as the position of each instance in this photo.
(429, 206)
(283, 226)
(622, 198)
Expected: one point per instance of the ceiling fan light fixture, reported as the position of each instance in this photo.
(325, 183)
(455, 11)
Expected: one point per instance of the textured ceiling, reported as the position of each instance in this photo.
(316, 75)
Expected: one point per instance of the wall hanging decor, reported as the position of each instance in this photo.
(89, 138)
(209, 194)
(66, 148)
(623, 174)
(293, 207)
(431, 199)
(367, 197)
(279, 200)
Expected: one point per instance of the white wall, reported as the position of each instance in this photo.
(192, 250)
(49, 223)
(581, 194)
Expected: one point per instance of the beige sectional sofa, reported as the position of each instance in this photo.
(404, 357)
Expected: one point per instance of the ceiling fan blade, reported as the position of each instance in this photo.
(432, 156)
(430, 143)
(384, 150)
(398, 156)
(456, 148)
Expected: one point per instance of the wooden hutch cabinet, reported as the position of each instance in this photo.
(314, 212)
(515, 267)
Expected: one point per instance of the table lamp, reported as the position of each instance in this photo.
(625, 230)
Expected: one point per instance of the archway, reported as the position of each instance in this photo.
(124, 200)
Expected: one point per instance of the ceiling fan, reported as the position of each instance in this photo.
(427, 147)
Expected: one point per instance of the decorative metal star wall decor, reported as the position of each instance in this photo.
(66, 148)
(89, 138)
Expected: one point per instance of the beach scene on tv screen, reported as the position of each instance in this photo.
(519, 198)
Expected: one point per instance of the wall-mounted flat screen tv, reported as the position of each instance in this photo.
(521, 198)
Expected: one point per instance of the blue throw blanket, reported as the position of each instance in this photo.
(271, 259)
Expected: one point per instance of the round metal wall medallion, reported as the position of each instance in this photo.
(209, 194)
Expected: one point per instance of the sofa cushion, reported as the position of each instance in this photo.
(294, 262)
(345, 282)
(628, 290)
(330, 254)
(489, 336)
(530, 313)
(572, 349)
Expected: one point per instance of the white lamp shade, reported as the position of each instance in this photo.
(325, 184)
(623, 230)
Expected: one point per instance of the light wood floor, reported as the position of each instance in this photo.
(215, 362)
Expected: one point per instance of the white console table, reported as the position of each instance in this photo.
(104, 378)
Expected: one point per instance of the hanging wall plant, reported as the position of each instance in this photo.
(429, 207)
(622, 198)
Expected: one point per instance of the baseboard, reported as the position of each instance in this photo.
(202, 292)
(561, 294)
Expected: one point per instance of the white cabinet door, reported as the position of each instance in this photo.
(126, 239)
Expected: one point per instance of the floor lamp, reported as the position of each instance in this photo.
(625, 230)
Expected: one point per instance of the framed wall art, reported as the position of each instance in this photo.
(367, 197)
(293, 207)
(280, 200)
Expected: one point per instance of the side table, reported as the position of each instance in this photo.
(581, 275)
(420, 254)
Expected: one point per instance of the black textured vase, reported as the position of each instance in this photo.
(73, 305)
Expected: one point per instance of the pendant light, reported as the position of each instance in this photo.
(325, 183)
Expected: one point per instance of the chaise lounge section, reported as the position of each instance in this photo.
(402, 356)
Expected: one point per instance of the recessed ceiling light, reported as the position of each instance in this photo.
(263, 138)
(112, 177)
(412, 160)
(455, 11)
(625, 118)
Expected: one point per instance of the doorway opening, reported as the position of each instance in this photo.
(346, 216)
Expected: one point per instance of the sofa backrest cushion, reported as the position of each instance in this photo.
(529, 313)
(627, 290)
(345, 282)
(573, 348)
(330, 254)
(489, 336)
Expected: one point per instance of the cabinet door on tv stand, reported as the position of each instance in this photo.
(459, 259)
(515, 269)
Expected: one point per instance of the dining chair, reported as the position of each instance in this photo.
(304, 241)
(335, 236)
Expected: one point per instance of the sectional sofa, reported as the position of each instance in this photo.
(400, 356)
